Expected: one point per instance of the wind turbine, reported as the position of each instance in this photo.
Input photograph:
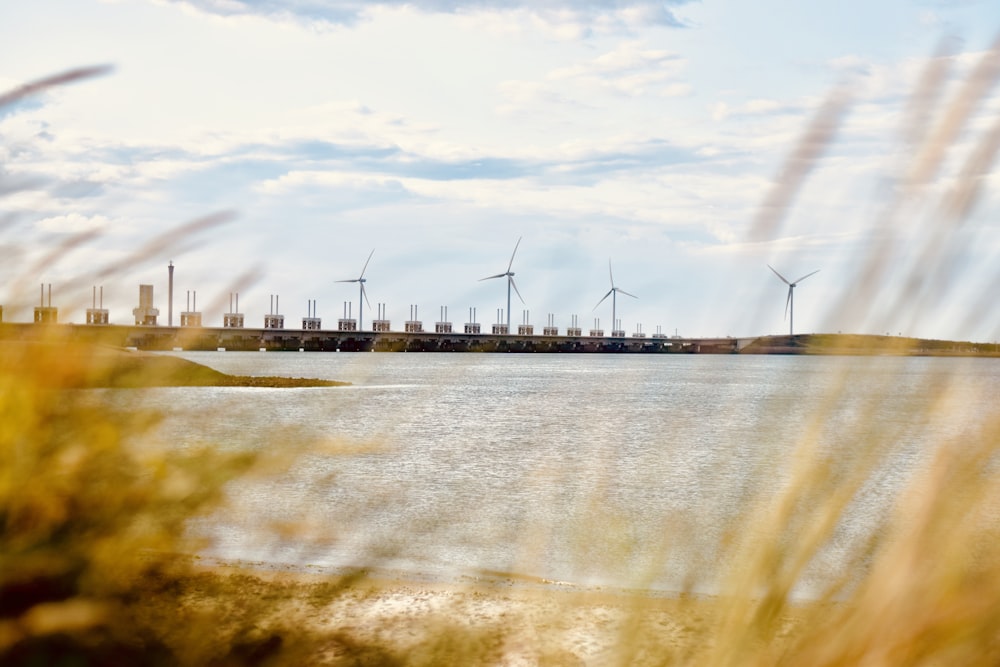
(510, 281)
(613, 293)
(364, 295)
(790, 301)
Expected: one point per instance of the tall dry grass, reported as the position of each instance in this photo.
(94, 509)
(93, 513)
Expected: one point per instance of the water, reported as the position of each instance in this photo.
(615, 470)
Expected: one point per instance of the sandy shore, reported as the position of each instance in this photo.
(382, 617)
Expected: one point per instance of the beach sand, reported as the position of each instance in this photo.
(495, 619)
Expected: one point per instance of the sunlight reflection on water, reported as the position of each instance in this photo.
(604, 469)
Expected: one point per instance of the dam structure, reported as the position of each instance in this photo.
(415, 339)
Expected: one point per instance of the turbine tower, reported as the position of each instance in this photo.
(510, 281)
(790, 301)
(613, 293)
(363, 295)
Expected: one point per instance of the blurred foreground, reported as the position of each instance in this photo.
(96, 564)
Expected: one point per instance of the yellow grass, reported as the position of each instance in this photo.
(93, 517)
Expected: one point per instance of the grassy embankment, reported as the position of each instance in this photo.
(862, 345)
(68, 364)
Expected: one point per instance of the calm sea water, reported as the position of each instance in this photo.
(614, 470)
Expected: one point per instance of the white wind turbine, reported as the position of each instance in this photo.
(790, 301)
(363, 295)
(510, 281)
(613, 293)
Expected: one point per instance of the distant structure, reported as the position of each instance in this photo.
(616, 329)
(97, 314)
(500, 328)
(550, 328)
(273, 320)
(310, 322)
(659, 333)
(444, 326)
(597, 331)
(146, 314)
(472, 327)
(170, 294)
(510, 283)
(46, 314)
(638, 332)
(362, 295)
(414, 325)
(525, 328)
(347, 323)
(381, 323)
(191, 317)
(574, 328)
(233, 319)
(790, 301)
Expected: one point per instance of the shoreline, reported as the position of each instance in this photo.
(518, 620)
(210, 339)
(93, 366)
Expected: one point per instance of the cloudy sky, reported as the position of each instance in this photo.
(689, 143)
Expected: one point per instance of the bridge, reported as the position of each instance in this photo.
(166, 338)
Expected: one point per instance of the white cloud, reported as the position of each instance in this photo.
(565, 19)
(73, 223)
(294, 181)
(628, 70)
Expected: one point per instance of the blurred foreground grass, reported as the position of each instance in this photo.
(96, 565)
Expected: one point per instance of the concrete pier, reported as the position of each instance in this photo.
(146, 314)
(46, 314)
(212, 338)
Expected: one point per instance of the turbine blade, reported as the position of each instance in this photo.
(626, 293)
(611, 275)
(364, 293)
(806, 276)
(499, 275)
(351, 280)
(514, 253)
(788, 300)
(779, 275)
(610, 292)
(514, 285)
(366, 264)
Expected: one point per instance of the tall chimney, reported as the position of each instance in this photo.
(170, 295)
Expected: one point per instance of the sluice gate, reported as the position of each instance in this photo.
(271, 339)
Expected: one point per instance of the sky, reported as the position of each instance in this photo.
(268, 147)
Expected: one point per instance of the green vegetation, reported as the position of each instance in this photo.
(64, 364)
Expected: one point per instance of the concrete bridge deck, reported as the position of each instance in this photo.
(215, 338)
